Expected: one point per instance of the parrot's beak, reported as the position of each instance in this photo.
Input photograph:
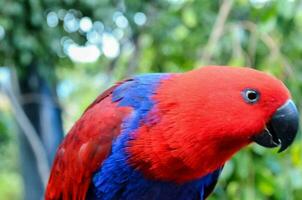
(281, 129)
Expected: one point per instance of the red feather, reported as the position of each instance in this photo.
(84, 149)
(201, 120)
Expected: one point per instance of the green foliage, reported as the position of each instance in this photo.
(9, 172)
(10, 180)
(175, 38)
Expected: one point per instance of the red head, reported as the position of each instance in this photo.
(205, 116)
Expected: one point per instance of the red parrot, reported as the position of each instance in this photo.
(168, 136)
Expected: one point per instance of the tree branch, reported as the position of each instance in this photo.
(29, 131)
(217, 31)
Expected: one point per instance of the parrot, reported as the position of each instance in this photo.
(167, 136)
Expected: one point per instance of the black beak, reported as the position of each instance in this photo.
(281, 129)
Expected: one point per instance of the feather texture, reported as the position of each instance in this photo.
(84, 149)
(116, 178)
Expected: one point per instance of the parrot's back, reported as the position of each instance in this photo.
(92, 162)
(85, 148)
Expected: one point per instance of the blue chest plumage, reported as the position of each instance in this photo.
(116, 179)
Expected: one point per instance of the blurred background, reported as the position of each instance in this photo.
(56, 56)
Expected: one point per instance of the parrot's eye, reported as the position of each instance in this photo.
(250, 96)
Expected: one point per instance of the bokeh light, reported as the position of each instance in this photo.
(52, 19)
(140, 18)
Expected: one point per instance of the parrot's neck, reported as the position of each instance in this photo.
(177, 144)
(163, 156)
